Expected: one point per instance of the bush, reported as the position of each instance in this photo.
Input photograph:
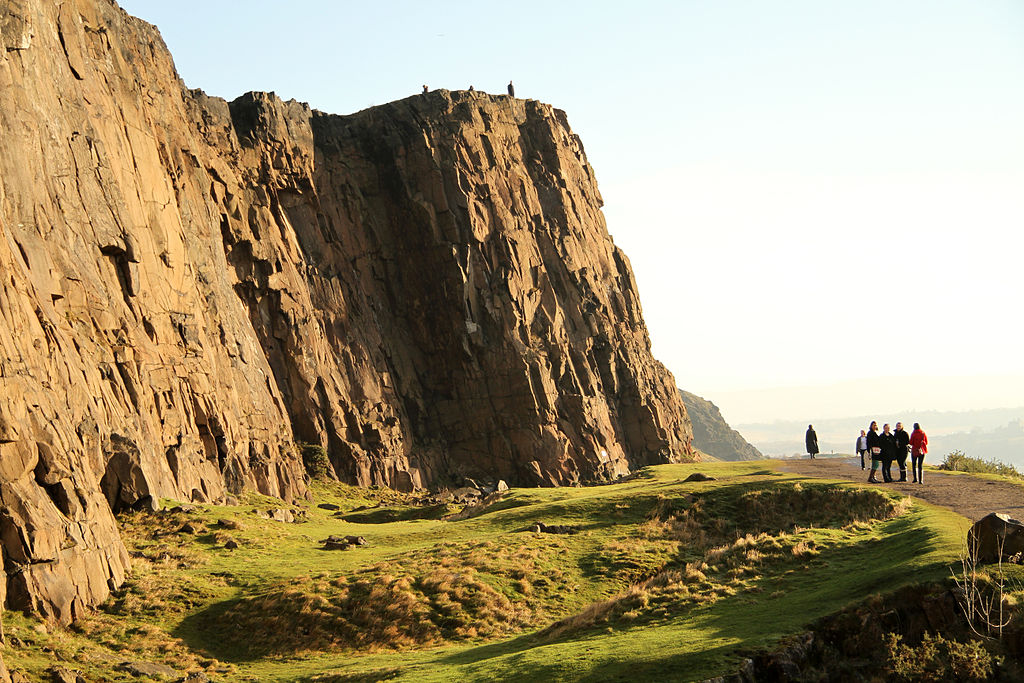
(314, 459)
(938, 659)
(958, 461)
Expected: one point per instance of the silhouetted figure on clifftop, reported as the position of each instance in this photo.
(511, 89)
(425, 90)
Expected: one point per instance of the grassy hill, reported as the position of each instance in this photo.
(658, 578)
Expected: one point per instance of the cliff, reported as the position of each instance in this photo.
(188, 287)
(712, 434)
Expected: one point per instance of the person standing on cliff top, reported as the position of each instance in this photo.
(511, 89)
(812, 441)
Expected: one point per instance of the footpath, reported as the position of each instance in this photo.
(969, 495)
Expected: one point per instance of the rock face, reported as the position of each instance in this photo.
(712, 434)
(188, 287)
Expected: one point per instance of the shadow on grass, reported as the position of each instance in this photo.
(402, 513)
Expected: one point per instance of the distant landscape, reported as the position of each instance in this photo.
(989, 434)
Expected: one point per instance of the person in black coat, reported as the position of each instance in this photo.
(875, 449)
(902, 448)
(811, 440)
(888, 443)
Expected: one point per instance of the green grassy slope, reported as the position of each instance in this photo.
(663, 578)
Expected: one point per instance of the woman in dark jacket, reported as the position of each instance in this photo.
(888, 444)
(875, 448)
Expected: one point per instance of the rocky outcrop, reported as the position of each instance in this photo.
(712, 434)
(995, 537)
(426, 289)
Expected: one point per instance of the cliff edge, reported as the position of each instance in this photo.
(188, 287)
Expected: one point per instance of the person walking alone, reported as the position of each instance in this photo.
(888, 442)
(902, 449)
(812, 441)
(862, 447)
(875, 446)
(918, 448)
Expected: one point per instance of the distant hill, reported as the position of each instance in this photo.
(712, 434)
(996, 433)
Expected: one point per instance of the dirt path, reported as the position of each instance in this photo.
(972, 497)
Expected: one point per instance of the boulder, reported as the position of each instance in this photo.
(148, 670)
(996, 535)
(542, 528)
(698, 476)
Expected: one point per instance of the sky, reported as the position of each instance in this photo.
(813, 195)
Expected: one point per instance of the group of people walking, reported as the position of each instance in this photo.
(883, 449)
(893, 445)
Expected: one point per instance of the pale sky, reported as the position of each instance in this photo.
(810, 193)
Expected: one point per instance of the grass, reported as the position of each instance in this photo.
(663, 579)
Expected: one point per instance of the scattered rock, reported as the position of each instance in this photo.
(466, 494)
(187, 528)
(278, 515)
(542, 528)
(343, 542)
(229, 500)
(328, 506)
(231, 544)
(994, 535)
(230, 524)
(336, 544)
(187, 509)
(501, 487)
(698, 476)
(60, 674)
(195, 677)
(147, 670)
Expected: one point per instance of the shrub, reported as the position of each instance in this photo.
(314, 459)
(958, 461)
(938, 659)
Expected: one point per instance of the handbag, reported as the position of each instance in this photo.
(875, 450)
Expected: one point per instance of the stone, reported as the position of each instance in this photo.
(231, 544)
(355, 540)
(542, 528)
(466, 494)
(332, 544)
(62, 674)
(225, 523)
(501, 486)
(278, 515)
(699, 476)
(995, 535)
(328, 506)
(148, 670)
(195, 677)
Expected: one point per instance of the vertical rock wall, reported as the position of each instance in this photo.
(128, 367)
(187, 287)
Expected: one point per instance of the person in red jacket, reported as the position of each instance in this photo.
(918, 448)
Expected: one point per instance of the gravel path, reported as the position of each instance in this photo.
(972, 497)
